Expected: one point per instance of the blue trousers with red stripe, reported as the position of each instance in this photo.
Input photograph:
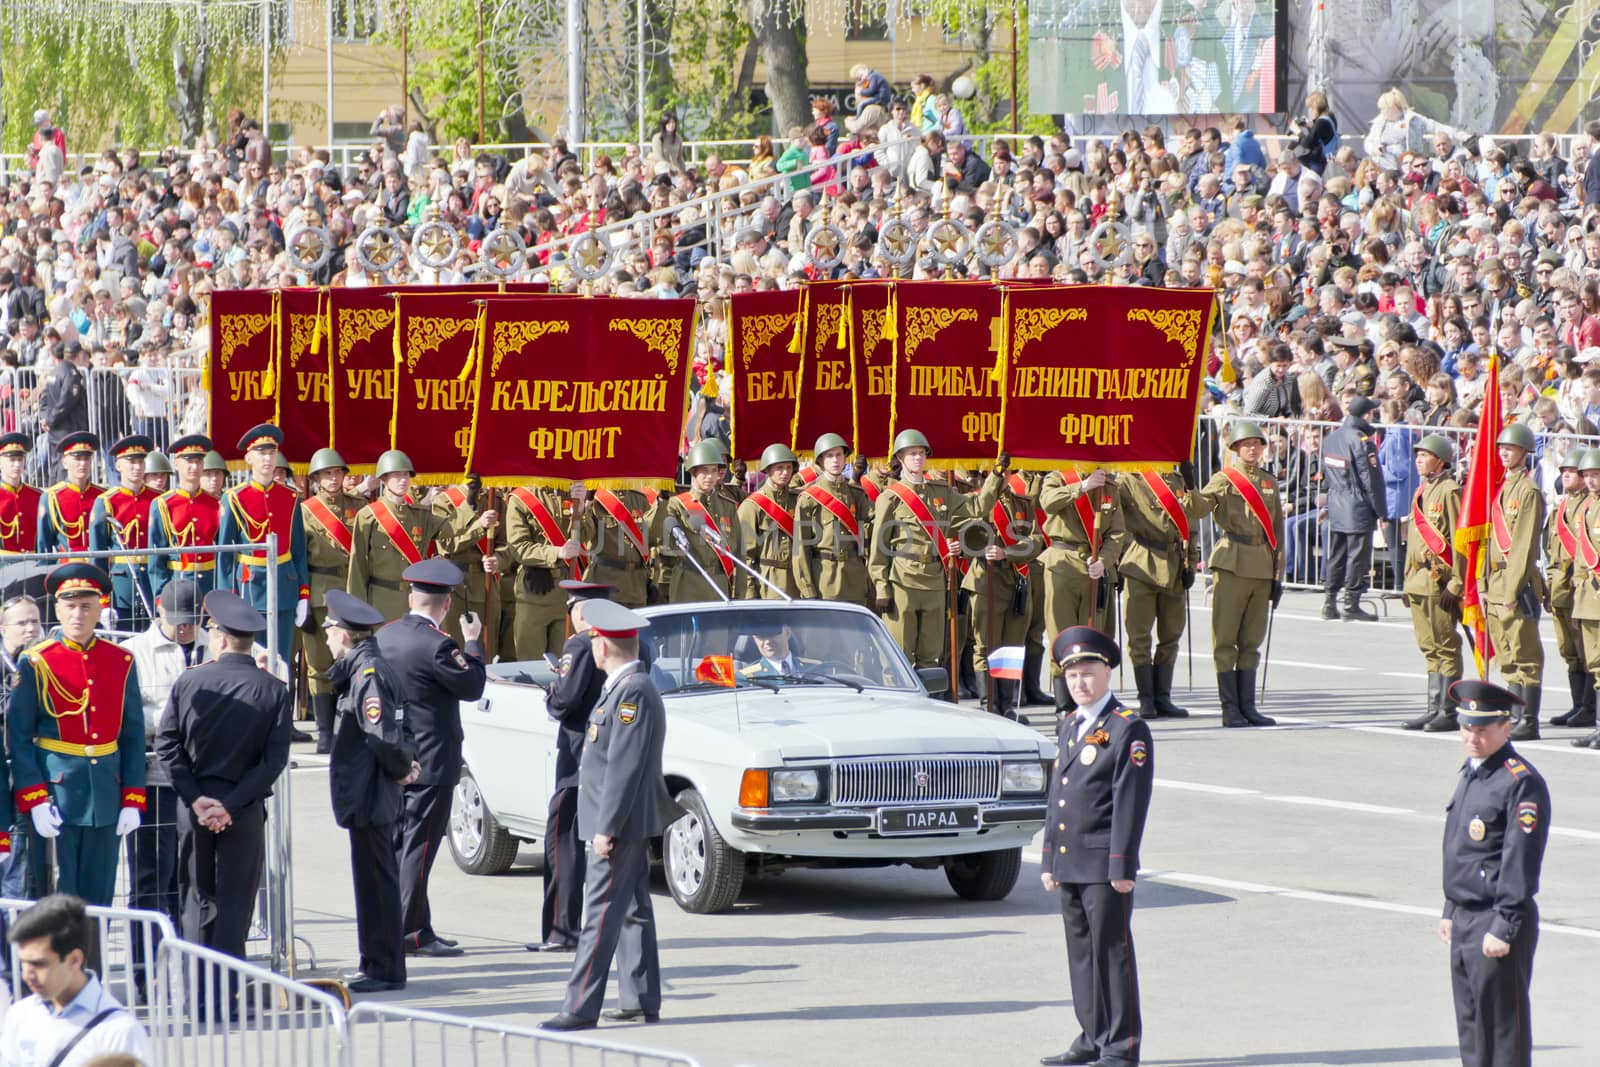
(618, 922)
(418, 835)
(1103, 971)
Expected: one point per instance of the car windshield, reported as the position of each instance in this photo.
(763, 646)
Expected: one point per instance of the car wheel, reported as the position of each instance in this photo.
(984, 875)
(479, 844)
(704, 874)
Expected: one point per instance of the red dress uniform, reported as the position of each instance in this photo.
(178, 518)
(19, 517)
(64, 518)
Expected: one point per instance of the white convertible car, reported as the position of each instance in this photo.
(798, 736)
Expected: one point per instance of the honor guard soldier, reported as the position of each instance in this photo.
(1434, 579)
(766, 526)
(19, 502)
(75, 727)
(540, 539)
(1248, 566)
(391, 535)
(1586, 585)
(832, 523)
(370, 765)
(436, 675)
(622, 803)
(997, 585)
(1083, 529)
(475, 552)
(1514, 588)
(705, 516)
(1099, 797)
(185, 515)
(329, 517)
(570, 701)
(158, 473)
(911, 551)
(224, 740)
(250, 513)
(1157, 568)
(120, 520)
(64, 512)
(1561, 553)
(1495, 831)
(613, 531)
(214, 474)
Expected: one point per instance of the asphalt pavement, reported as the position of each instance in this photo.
(1285, 915)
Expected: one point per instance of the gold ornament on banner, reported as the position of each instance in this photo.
(1179, 324)
(824, 246)
(240, 330)
(425, 334)
(503, 254)
(1031, 324)
(510, 338)
(661, 336)
(828, 318)
(435, 245)
(361, 324)
(1110, 241)
(757, 331)
(589, 256)
(897, 243)
(949, 241)
(308, 249)
(926, 323)
(997, 243)
(379, 250)
(872, 323)
(302, 328)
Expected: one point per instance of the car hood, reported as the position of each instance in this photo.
(808, 723)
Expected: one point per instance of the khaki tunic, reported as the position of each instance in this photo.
(541, 623)
(1558, 577)
(376, 565)
(1070, 595)
(1154, 559)
(828, 562)
(1586, 584)
(1516, 635)
(327, 567)
(1245, 566)
(999, 594)
(612, 556)
(476, 593)
(686, 584)
(767, 546)
(1429, 574)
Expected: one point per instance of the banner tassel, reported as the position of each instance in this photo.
(316, 328)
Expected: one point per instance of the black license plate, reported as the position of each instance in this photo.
(939, 820)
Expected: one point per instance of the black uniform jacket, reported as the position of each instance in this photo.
(569, 703)
(622, 793)
(436, 674)
(225, 732)
(1099, 797)
(372, 747)
(1353, 478)
(1495, 831)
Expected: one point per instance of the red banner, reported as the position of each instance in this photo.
(575, 389)
(761, 329)
(824, 404)
(303, 395)
(1102, 376)
(436, 390)
(241, 369)
(944, 370)
(872, 365)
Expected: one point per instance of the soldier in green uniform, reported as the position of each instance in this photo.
(539, 538)
(329, 515)
(701, 513)
(390, 535)
(1560, 553)
(214, 474)
(912, 527)
(766, 525)
(1515, 586)
(1003, 546)
(614, 530)
(1157, 568)
(1243, 501)
(158, 472)
(1586, 581)
(477, 556)
(832, 523)
(1434, 579)
(1084, 528)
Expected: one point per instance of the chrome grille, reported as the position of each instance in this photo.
(916, 780)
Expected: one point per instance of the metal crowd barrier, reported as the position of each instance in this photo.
(125, 938)
(385, 1034)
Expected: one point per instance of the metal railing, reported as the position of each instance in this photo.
(389, 1034)
(125, 939)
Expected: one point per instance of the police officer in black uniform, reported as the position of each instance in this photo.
(622, 803)
(1355, 503)
(436, 674)
(371, 762)
(1099, 797)
(1495, 831)
(571, 699)
(224, 741)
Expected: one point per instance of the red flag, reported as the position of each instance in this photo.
(1484, 475)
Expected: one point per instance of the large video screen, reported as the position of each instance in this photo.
(1155, 57)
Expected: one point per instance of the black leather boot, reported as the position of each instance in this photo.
(1330, 604)
(1527, 728)
(1585, 715)
(1033, 694)
(1351, 609)
(981, 683)
(1144, 676)
(1445, 721)
(323, 706)
(1164, 705)
(1228, 694)
(967, 680)
(1577, 681)
(1005, 698)
(1421, 721)
(1247, 701)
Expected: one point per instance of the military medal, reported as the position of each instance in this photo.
(1089, 755)
(594, 732)
(1475, 829)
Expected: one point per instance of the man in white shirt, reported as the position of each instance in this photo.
(771, 639)
(70, 1018)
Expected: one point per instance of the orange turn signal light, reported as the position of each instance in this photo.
(753, 789)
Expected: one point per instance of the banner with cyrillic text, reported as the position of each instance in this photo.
(871, 365)
(946, 340)
(437, 384)
(824, 404)
(764, 368)
(241, 368)
(303, 393)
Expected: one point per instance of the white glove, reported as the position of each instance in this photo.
(108, 618)
(46, 821)
(128, 821)
(302, 611)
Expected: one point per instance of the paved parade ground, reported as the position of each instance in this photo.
(1286, 913)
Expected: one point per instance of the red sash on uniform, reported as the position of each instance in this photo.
(1253, 501)
(1019, 487)
(459, 499)
(1564, 533)
(1502, 532)
(621, 516)
(870, 487)
(1002, 524)
(1431, 537)
(1085, 509)
(1590, 554)
(838, 508)
(919, 510)
(774, 512)
(330, 522)
(809, 475)
(1169, 502)
(541, 515)
(694, 507)
(397, 533)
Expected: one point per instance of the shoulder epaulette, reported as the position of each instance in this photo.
(1128, 713)
(1517, 768)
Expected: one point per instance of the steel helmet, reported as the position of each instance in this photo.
(777, 453)
(157, 463)
(1439, 445)
(395, 461)
(909, 439)
(326, 459)
(282, 462)
(828, 442)
(215, 462)
(1569, 462)
(1518, 435)
(704, 454)
(1244, 430)
(1589, 459)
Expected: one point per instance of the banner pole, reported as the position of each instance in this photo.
(953, 598)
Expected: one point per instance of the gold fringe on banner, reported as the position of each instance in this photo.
(474, 353)
(797, 342)
(316, 326)
(270, 381)
(563, 484)
(399, 358)
(1131, 467)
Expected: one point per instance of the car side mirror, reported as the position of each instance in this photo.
(936, 680)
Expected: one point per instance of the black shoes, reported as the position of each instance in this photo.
(551, 946)
(436, 948)
(630, 1015)
(565, 1021)
(1070, 1056)
(364, 984)
(298, 736)
(324, 744)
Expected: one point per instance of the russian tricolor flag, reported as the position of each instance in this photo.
(1007, 662)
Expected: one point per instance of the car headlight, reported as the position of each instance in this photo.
(1022, 777)
(792, 785)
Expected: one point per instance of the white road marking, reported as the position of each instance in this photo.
(1200, 787)
(1343, 805)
